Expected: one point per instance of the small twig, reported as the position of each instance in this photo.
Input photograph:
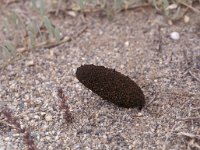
(132, 7)
(190, 72)
(8, 124)
(189, 135)
(185, 4)
(153, 99)
(187, 118)
(12, 2)
(79, 33)
(53, 43)
(195, 108)
(189, 114)
(46, 44)
(168, 136)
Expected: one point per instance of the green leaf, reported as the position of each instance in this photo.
(42, 7)
(32, 38)
(118, 4)
(155, 4)
(13, 18)
(57, 34)
(34, 4)
(10, 47)
(81, 3)
(49, 25)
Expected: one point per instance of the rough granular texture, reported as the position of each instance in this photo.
(111, 85)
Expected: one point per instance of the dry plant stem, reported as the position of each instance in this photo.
(12, 122)
(132, 7)
(168, 135)
(11, 2)
(10, 60)
(195, 108)
(46, 44)
(149, 102)
(51, 44)
(8, 124)
(64, 107)
(189, 135)
(192, 8)
(190, 72)
(187, 118)
(58, 7)
(192, 121)
(193, 141)
(189, 67)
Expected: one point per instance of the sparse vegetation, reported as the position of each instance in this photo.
(29, 31)
(13, 122)
(25, 32)
(65, 107)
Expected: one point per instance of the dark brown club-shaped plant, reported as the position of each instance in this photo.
(111, 85)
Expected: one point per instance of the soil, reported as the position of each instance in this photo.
(136, 43)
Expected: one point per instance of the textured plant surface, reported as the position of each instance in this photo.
(64, 106)
(111, 85)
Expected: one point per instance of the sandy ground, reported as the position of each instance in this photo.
(135, 43)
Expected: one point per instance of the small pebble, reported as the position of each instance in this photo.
(30, 63)
(186, 19)
(48, 117)
(175, 36)
(7, 139)
(139, 114)
(127, 43)
(72, 13)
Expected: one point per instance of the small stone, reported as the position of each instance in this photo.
(72, 13)
(48, 138)
(50, 147)
(105, 136)
(100, 32)
(56, 138)
(30, 63)
(36, 117)
(7, 139)
(172, 6)
(127, 43)
(43, 113)
(170, 22)
(186, 19)
(139, 114)
(51, 53)
(48, 117)
(175, 36)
